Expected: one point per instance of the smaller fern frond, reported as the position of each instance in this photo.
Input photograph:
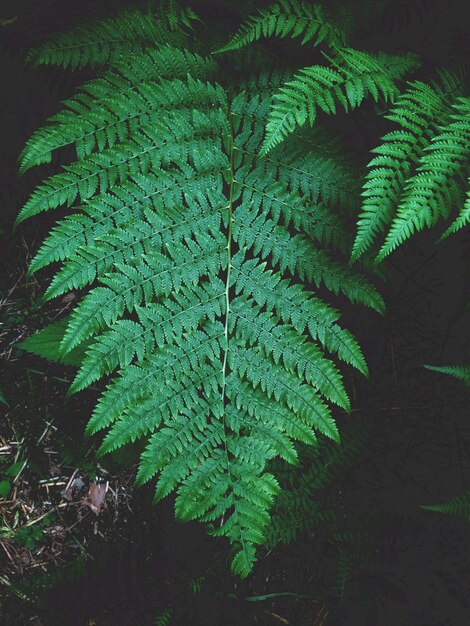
(418, 113)
(436, 186)
(461, 372)
(164, 618)
(289, 18)
(352, 76)
(463, 218)
(459, 506)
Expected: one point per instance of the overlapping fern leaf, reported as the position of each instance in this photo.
(199, 264)
(350, 77)
(421, 171)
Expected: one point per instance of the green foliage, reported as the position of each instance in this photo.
(46, 342)
(351, 76)
(5, 488)
(164, 618)
(8, 476)
(461, 372)
(29, 536)
(107, 41)
(459, 506)
(435, 187)
(289, 18)
(421, 169)
(203, 269)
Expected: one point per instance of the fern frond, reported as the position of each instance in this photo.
(352, 76)
(289, 18)
(459, 506)
(461, 372)
(463, 218)
(432, 191)
(200, 267)
(418, 112)
(164, 618)
(107, 41)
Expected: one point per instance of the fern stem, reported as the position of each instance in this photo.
(227, 310)
(229, 259)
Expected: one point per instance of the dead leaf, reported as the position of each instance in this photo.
(96, 497)
(5, 22)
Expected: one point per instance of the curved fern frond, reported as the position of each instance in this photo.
(436, 186)
(352, 76)
(289, 18)
(204, 273)
(418, 112)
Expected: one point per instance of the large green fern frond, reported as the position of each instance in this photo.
(204, 271)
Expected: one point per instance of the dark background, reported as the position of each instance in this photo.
(418, 451)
